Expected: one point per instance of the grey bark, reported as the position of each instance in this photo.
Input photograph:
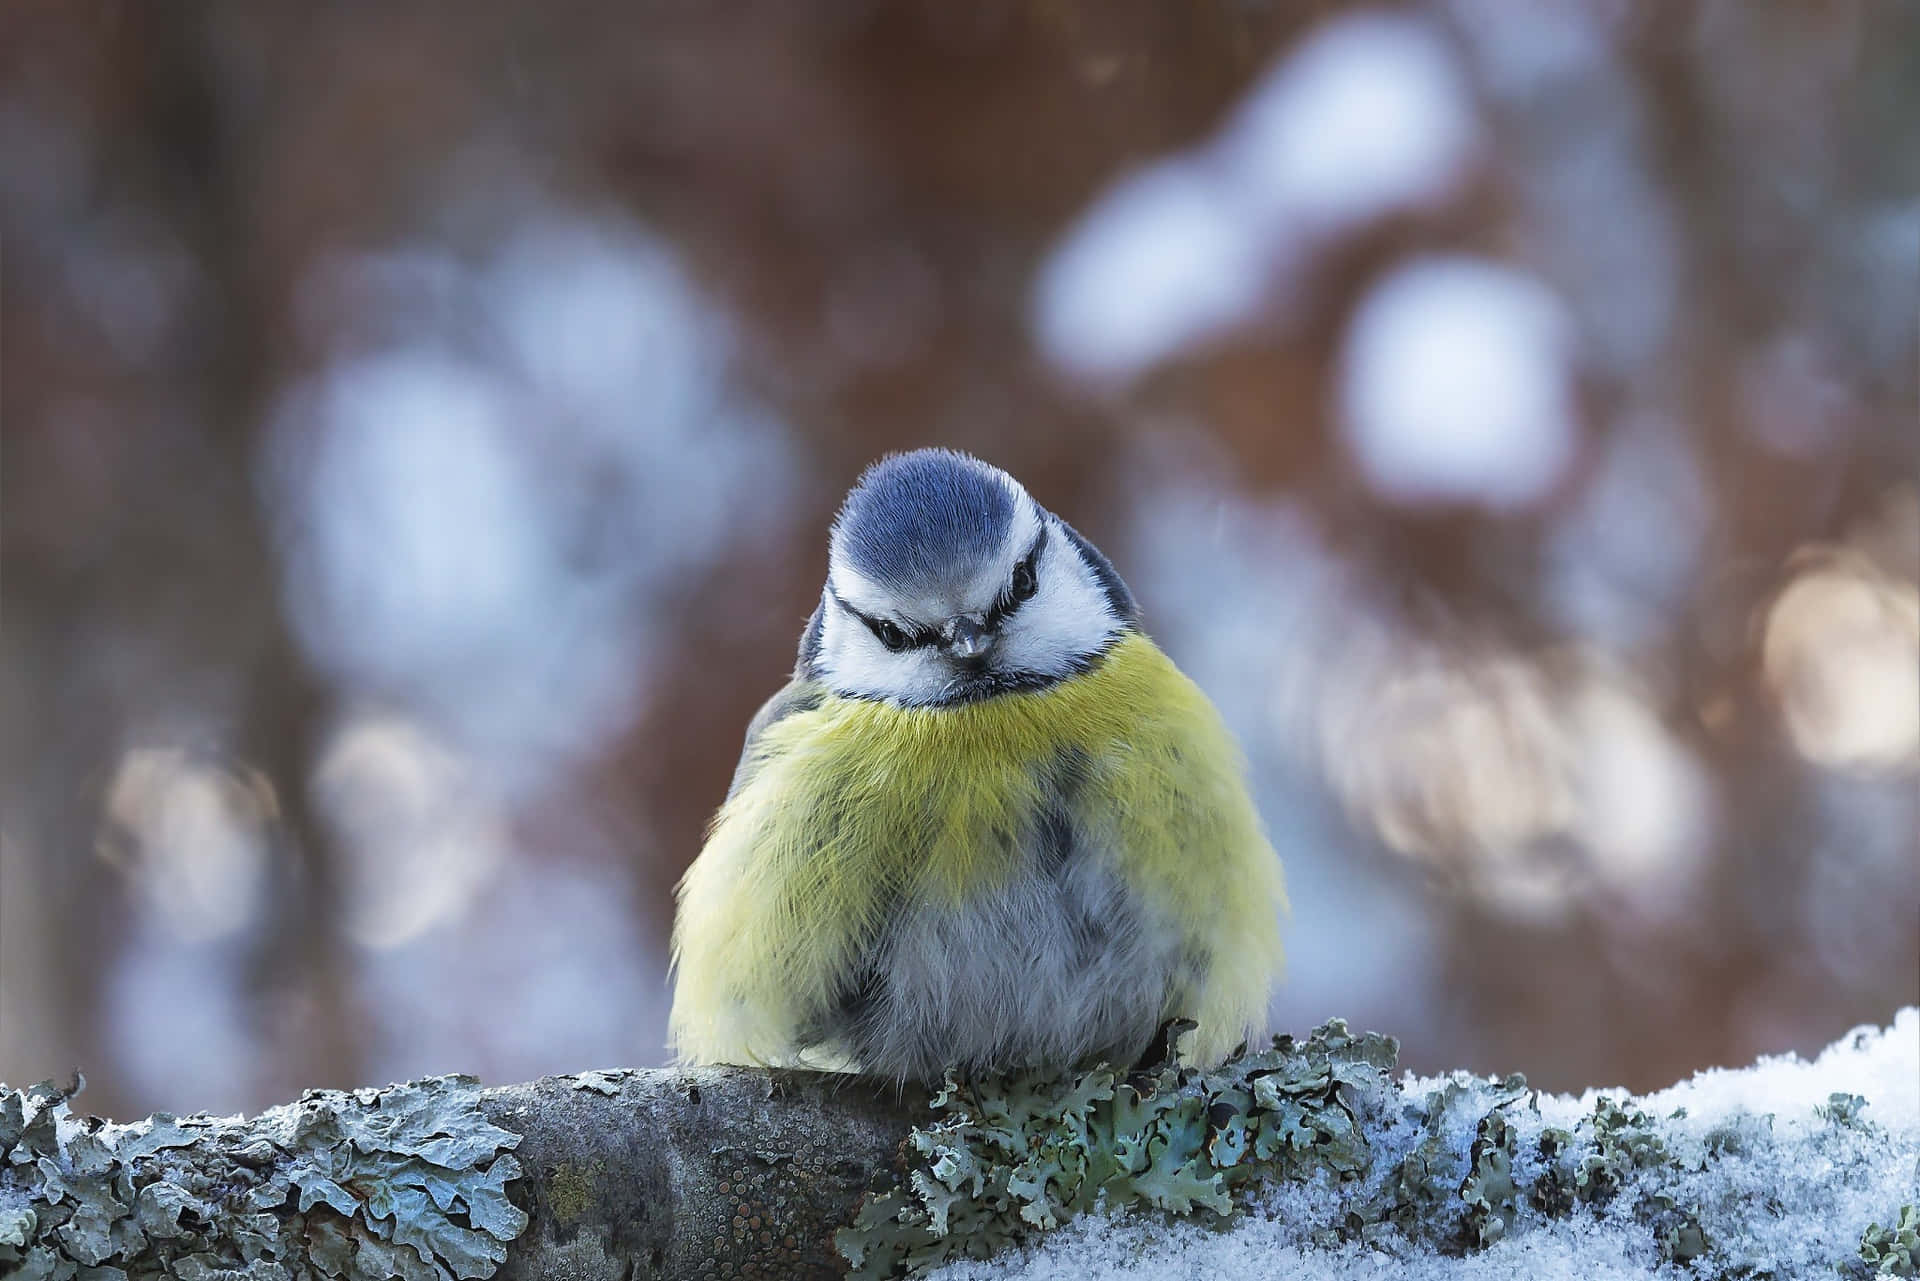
(718, 1172)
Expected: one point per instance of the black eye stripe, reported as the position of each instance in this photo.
(1009, 603)
(914, 638)
(896, 637)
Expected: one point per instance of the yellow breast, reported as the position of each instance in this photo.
(854, 804)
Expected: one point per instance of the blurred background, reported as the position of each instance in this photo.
(422, 422)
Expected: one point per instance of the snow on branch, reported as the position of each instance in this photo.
(1315, 1156)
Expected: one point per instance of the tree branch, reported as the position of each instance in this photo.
(723, 1172)
(746, 1173)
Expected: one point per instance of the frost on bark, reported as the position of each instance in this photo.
(747, 1173)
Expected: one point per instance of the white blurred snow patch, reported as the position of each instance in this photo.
(588, 310)
(420, 545)
(1456, 385)
(1367, 116)
(483, 506)
(1789, 1189)
(1165, 259)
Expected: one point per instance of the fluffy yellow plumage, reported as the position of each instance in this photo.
(847, 810)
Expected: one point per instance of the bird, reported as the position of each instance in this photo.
(988, 826)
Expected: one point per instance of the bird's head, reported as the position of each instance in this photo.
(947, 583)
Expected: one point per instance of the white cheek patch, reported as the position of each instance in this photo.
(1067, 619)
(853, 661)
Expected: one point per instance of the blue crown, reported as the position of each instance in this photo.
(916, 519)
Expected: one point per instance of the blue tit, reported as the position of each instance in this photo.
(988, 825)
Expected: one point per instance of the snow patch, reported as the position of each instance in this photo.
(1791, 1185)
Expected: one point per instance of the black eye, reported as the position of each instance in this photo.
(890, 634)
(1024, 582)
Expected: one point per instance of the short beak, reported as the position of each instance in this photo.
(967, 639)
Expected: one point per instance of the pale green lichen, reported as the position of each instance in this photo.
(406, 1182)
(1012, 1157)
(605, 1081)
(1888, 1252)
(1842, 1109)
(1623, 1142)
(1031, 1152)
(1489, 1189)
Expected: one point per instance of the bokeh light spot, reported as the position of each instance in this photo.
(417, 839)
(1841, 651)
(194, 834)
(1456, 385)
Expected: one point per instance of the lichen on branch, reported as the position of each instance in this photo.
(732, 1172)
(405, 1182)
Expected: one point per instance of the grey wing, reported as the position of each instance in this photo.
(798, 695)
